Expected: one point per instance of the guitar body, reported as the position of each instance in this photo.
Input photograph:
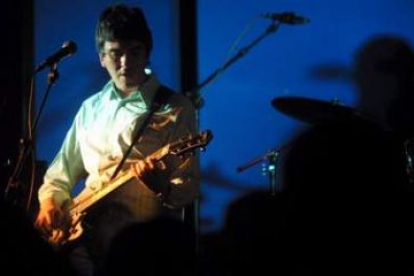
(61, 237)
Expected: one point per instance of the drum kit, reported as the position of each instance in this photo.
(313, 112)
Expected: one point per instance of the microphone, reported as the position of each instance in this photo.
(287, 18)
(68, 48)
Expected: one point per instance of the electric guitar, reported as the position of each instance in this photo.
(79, 206)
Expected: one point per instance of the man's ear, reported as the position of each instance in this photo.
(101, 60)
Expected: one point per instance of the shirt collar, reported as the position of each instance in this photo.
(145, 92)
(148, 89)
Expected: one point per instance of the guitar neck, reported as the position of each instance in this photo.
(85, 200)
(82, 203)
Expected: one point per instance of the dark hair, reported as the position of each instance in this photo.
(121, 22)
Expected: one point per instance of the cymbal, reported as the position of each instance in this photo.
(317, 111)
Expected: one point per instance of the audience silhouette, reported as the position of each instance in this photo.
(162, 246)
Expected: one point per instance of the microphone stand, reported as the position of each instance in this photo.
(270, 157)
(26, 148)
(194, 93)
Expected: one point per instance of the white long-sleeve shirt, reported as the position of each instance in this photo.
(101, 133)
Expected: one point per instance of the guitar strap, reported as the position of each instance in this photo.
(160, 99)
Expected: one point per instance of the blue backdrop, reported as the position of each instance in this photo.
(309, 60)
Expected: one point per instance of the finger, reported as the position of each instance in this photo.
(41, 223)
(38, 223)
(137, 168)
(45, 230)
(150, 164)
(143, 165)
(55, 237)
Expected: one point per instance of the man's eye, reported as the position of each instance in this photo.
(115, 54)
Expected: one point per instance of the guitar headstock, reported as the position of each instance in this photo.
(190, 143)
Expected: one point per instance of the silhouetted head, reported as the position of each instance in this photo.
(384, 73)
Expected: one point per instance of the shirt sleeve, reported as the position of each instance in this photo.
(65, 170)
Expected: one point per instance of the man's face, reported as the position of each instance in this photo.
(125, 62)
